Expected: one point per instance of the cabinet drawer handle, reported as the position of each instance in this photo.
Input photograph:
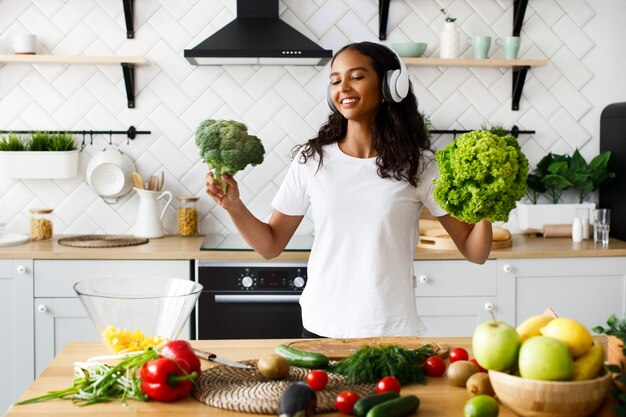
(488, 306)
(507, 268)
(20, 269)
(423, 279)
(42, 308)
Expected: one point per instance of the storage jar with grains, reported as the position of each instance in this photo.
(187, 216)
(40, 224)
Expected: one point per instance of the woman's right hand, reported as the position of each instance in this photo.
(214, 190)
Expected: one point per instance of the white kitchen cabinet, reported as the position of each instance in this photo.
(16, 328)
(586, 289)
(454, 296)
(60, 317)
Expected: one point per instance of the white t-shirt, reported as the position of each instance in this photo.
(366, 229)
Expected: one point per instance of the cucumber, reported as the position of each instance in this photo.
(301, 358)
(362, 406)
(400, 407)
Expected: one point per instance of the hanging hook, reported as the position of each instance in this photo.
(82, 145)
(110, 138)
(91, 137)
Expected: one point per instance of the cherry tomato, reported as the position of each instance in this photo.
(434, 366)
(480, 368)
(388, 384)
(317, 379)
(458, 354)
(345, 401)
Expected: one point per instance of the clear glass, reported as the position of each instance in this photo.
(187, 216)
(41, 226)
(127, 311)
(601, 226)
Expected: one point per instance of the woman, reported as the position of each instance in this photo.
(366, 175)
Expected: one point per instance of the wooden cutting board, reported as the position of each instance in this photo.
(436, 237)
(337, 349)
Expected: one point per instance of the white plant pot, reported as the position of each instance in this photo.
(535, 216)
(449, 48)
(38, 165)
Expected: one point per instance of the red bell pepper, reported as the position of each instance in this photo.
(164, 379)
(181, 349)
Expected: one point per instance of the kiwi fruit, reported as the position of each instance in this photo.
(459, 372)
(273, 366)
(479, 384)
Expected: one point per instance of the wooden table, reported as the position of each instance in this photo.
(438, 397)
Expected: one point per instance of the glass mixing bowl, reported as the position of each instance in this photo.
(133, 313)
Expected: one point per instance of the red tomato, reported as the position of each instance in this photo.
(458, 354)
(345, 401)
(480, 368)
(434, 366)
(317, 379)
(388, 384)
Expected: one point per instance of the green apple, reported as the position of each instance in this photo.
(546, 359)
(495, 345)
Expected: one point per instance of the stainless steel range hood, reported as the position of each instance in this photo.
(258, 36)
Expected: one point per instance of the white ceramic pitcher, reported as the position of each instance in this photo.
(150, 215)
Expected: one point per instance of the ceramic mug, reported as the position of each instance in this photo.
(25, 43)
(481, 46)
(510, 45)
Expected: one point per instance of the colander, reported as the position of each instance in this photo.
(109, 173)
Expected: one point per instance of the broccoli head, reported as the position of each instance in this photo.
(227, 147)
(481, 176)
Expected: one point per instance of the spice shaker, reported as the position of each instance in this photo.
(187, 216)
(40, 223)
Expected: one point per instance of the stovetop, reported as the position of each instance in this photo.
(215, 242)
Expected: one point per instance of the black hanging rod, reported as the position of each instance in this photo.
(515, 131)
(131, 133)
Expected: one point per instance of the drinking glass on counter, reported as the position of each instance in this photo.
(601, 226)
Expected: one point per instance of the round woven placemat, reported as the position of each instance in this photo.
(102, 241)
(245, 390)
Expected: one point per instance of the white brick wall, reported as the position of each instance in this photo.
(284, 105)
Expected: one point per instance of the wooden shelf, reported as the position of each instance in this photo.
(127, 62)
(470, 62)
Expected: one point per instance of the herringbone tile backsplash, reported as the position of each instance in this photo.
(283, 105)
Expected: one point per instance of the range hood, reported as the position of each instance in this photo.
(258, 36)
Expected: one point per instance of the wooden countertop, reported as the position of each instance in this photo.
(437, 397)
(188, 248)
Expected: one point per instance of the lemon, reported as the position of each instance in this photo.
(532, 325)
(572, 333)
(481, 406)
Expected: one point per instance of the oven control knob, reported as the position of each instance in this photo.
(298, 282)
(246, 282)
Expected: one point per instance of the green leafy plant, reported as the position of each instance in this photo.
(12, 143)
(39, 141)
(428, 124)
(555, 174)
(495, 128)
(616, 328)
(448, 17)
(62, 142)
(481, 176)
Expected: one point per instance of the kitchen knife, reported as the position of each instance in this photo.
(214, 358)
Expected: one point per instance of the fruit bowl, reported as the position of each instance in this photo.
(133, 313)
(529, 397)
(409, 49)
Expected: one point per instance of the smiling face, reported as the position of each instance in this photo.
(355, 86)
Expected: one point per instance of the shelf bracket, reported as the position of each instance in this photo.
(519, 77)
(519, 10)
(129, 81)
(383, 16)
(129, 15)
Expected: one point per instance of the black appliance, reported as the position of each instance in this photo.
(250, 300)
(613, 138)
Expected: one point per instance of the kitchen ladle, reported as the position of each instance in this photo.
(137, 180)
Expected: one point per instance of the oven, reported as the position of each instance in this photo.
(250, 300)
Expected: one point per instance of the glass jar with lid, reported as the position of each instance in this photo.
(187, 216)
(41, 224)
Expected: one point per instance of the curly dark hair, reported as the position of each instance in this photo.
(399, 134)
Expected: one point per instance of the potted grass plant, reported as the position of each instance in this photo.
(41, 155)
(554, 176)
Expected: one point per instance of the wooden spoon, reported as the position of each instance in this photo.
(153, 183)
(137, 180)
(161, 180)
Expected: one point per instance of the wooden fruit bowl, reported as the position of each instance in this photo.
(528, 397)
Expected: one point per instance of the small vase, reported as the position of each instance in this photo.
(449, 48)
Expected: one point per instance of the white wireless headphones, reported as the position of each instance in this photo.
(395, 85)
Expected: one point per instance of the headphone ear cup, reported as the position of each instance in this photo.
(329, 99)
(391, 82)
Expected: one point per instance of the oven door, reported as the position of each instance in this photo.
(249, 315)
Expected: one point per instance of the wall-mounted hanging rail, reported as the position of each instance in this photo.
(130, 133)
(515, 131)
